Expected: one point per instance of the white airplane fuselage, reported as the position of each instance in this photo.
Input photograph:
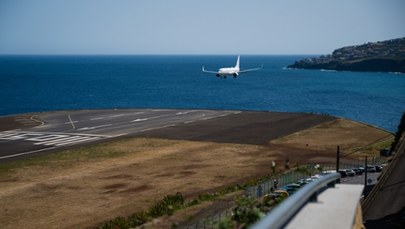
(228, 71)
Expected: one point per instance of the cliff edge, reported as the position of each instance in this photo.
(382, 56)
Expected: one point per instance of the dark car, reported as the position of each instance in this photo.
(378, 168)
(359, 170)
(350, 172)
(343, 173)
(291, 188)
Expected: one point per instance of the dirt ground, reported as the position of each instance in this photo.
(83, 191)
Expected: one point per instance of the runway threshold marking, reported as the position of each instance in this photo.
(49, 138)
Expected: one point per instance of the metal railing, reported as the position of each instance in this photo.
(267, 186)
(283, 213)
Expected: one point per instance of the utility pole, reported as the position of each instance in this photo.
(337, 161)
(337, 158)
(365, 176)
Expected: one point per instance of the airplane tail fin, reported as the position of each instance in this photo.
(238, 63)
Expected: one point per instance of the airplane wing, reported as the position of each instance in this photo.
(214, 72)
(252, 69)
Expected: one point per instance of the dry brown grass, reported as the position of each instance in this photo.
(84, 187)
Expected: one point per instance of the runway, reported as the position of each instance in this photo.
(41, 133)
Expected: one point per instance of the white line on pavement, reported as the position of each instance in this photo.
(139, 120)
(77, 141)
(98, 118)
(94, 127)
(26, 153)
(54, 142)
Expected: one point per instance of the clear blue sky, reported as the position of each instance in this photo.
(195, 27)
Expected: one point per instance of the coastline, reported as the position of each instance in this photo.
(381, 56)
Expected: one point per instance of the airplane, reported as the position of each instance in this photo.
(234, 71)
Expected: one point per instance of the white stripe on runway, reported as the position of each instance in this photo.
(26, 153)
(49, 138)
(77, 141)
(98, 118)
(53, 142)
(139, 120)
(94, 127)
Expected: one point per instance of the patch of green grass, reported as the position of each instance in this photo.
(384, 144)
(168, 205)
(247, 212)
(373, 148)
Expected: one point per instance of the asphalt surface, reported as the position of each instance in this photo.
(39, 133)
(372, 179)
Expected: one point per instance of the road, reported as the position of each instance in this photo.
(359, 179)
(52, 131)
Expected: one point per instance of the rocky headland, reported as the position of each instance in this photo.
(382, 56)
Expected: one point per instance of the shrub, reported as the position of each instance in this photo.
(176, 200)
(167, 206)
(119, 222)
(138, 219)
(158, 209)
(247, 212)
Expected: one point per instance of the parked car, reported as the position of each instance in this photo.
(371, 169)
(291, 188)
(343, 173)
(302, 182)
(378, 168)
(309, 180)
(281, 193)
(315, 177)
(350, 172)
(324, 173)
(358, 171)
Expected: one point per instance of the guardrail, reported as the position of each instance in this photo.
(283, 213)
(267, 186)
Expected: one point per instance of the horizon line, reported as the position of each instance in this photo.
(154, 54)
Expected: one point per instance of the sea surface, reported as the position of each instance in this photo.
(46, 83)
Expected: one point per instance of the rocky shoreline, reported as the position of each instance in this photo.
(382, 56)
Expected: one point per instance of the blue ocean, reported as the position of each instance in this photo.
(45, 83)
